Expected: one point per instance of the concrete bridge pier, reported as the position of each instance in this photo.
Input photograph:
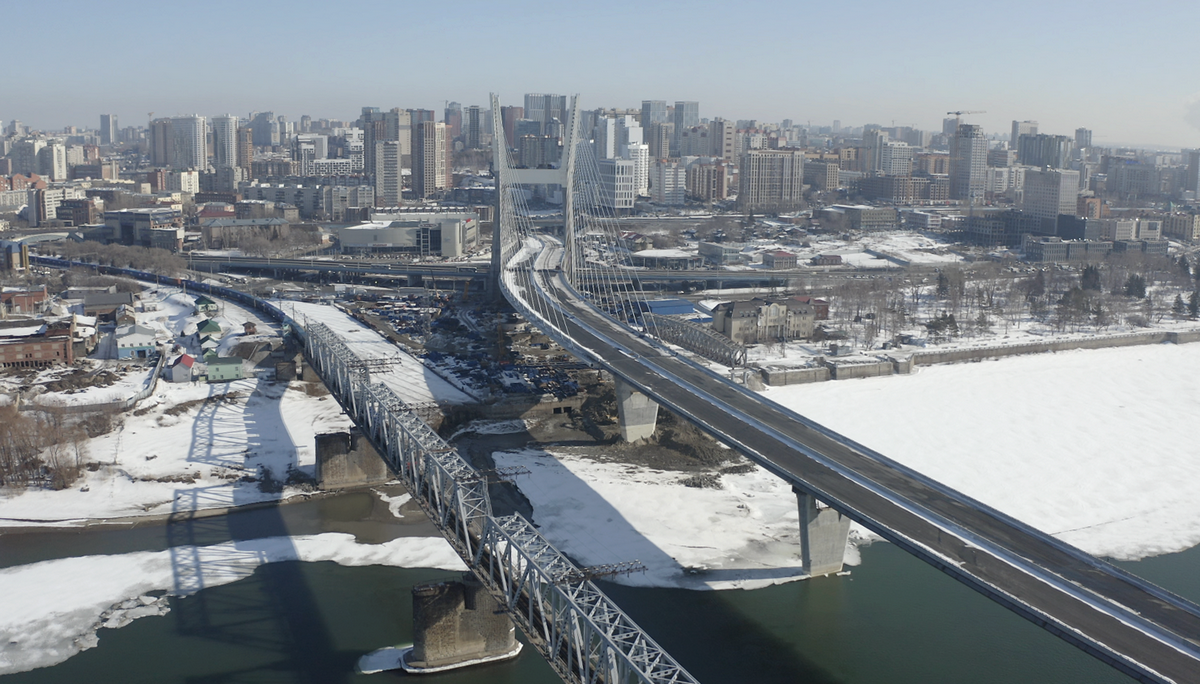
(347, 459)
(638, 413)
(823, 535)
(456, 624)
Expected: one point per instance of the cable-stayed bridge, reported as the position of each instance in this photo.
(574, 290)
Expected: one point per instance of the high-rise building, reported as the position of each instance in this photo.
(52, 161)
(389, 173)
(245, 150)
(453, 116)
(968, 163)
(771, 180)
(545, 108)
(1040, 149)
(1051, 192)
(398, 125)
(639, 154)
(707, 182)
(305, 123)
(616, 184)
(509, 116)
(1020, 128)
(723, 139)
(653, 111)
(1191, 158)
(108, 129)
(266, 129)
(374, 129)
(189, 143)
(872, 150)
(658, 138)
(668, 182)
(160, 142)
(431, 165)
(225, 141)
(25, 155)
(474, 122)
(685, 116)
(1083, 138)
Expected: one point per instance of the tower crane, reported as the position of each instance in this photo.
(959, 114)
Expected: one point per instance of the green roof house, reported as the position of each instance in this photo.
(206, 306)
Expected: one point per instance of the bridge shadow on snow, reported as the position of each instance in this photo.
(701, 629)
(273, 610)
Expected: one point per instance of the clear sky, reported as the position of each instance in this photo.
(1128, 70)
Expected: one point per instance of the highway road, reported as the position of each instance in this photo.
(1123, 620)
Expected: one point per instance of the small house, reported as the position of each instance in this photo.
(135, 342)
(125, 315)
(183, 369)
(208, 343)
(205, 306)
(224, 369)
(249, 328)
(209, 328)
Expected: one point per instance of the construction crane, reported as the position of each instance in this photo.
(959, 114)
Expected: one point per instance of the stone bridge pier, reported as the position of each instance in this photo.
(638, 413)
(823, 535)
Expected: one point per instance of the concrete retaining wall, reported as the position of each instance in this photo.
(777, 377)
(848, 371)
(958, 355)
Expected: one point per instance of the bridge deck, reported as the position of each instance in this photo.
(1138, 628)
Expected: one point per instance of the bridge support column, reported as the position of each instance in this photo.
(637, 412)
(347, 459)
(823, 534)
(457, 624)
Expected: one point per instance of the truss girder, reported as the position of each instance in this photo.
(583, 635)
(706, 342)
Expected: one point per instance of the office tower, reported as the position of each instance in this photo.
(225, 141)
(509, 116)
(771, 180)
(431, 168)
(1040, 149)
(968, 163)
(452, 117)
(658, 138)
(421, 115)
(1020, 128)
(1083, 138)
(160, 142)
(604, 138)
(189, 143)
(389, 173)
(545, 108)
(895, 159)
(653, 111)
(723, 136)
(266, 129)
(473, 127)
(1051, 192)
(398, 125)
(686, 115)
(245, 150)
(374, 130)
(305, 124)
(108, 129)
(616, 184)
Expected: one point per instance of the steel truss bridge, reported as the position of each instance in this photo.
(577, 291)
(584, 636)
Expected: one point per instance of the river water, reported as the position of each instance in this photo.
(892, 620)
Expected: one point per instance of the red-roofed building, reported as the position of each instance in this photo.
(183, 369)
(779, 260)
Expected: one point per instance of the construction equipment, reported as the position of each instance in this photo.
(959, 114)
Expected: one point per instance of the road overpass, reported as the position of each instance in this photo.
(1127, 622)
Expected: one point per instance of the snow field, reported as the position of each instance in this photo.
(47, 615)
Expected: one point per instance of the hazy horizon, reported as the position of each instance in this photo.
(859, 62)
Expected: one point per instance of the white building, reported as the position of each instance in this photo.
(668, 182)
(639, 154)
(616, 184)
(224, 141)
(450, 234)
(1050, 192)
(52, 161)
(189, 143)
(183, 181)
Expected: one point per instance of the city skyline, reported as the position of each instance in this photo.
(1051, 64)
